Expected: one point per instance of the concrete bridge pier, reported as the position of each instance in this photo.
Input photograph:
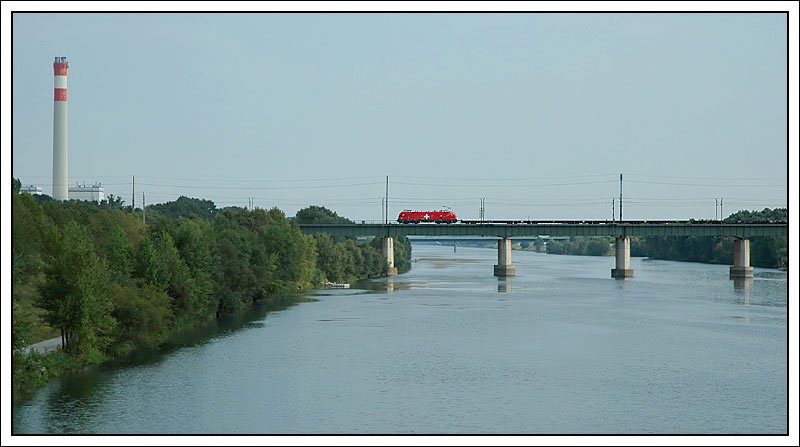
(623, 258)
(741, 260)
(504, 268)
(387, 250)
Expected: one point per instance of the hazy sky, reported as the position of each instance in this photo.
(538, 113)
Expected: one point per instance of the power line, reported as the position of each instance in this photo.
(704, 177)
(260, 187)
(293, 180)
(217, 180)
(704, 184)
(472, 185)
(699, 204)
(505, 179)
(377, 178)
(83, 182)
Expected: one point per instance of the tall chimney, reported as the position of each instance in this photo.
(60, 181)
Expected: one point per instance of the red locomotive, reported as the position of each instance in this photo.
(438, 216)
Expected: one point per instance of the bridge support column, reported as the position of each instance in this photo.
(741, 259)
(504, 267)
(387, 250)
(623, 262)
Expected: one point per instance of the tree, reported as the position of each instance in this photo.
(29, 228)
(151, 266)
(319, 215)
(234, 280)
(120, 254)
(295, 251)
(143, 315)
(191, 237)
(22, 325)
(329, 260)
(598, 247)
(74, 294)
(180, 285)
(112, 202)
(185, 207)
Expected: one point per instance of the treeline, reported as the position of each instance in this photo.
(765, 251)
(581, 245)
(108, 284)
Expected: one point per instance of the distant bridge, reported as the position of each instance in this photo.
(620, 230)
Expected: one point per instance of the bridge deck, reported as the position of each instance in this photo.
(510, 230)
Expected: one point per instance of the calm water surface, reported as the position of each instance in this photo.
(448, 348)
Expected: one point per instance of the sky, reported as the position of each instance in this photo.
(537, 113)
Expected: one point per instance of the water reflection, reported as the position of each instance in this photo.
(221, 326)
(772, 275)
(742, 287)
(388, 285)
(73, 404)
(77, 397)
(742, 283)
(504, 285)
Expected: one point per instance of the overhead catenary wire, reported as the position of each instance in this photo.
(736, 185)
(704, 177)
(504, 179)
(380, 178)
(504, 185)
(217, 179)
(259, 187)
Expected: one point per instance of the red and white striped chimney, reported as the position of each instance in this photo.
(60, 181)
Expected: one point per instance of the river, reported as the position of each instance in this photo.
(449, 349)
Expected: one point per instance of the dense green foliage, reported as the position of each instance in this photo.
(110, 284)
(582, 245)
(341, 259)
(32, 370)
(74, 292)
(766, 251)
(185, 207)
(764, 216)
(319, 215)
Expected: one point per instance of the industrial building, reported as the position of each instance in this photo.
(83, 192)
(32, 189)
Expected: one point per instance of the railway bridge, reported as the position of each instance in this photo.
(622, 231)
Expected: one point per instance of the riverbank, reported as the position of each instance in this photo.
(94, 275)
